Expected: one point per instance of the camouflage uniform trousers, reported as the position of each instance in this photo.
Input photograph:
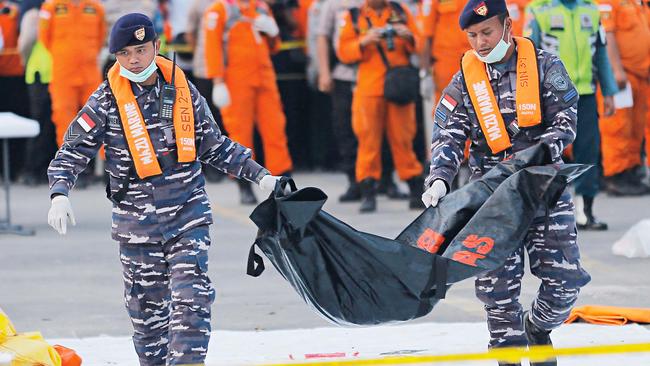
(168, 296)
(554, 257)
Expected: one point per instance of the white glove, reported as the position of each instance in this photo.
(220, 95)
(427, 86)
(432, 195)
(59, 213)
(267, 183)
(266, 24)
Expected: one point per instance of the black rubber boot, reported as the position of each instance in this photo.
(246, 195)
(388, 187)
(592, 223)
(368, 195)
(416, 188)
(634, 177)
(621, 185)
(538, 337)
(353, 193)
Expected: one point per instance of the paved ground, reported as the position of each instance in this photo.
(415, 341)
(70, 286)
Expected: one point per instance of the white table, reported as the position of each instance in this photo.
(13, 126)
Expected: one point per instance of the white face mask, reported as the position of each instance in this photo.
(498, 52)
(142, 75)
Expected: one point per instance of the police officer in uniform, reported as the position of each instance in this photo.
(571, 30)
(507, 97)
(156, 129)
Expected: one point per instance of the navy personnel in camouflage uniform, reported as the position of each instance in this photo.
(161, 211)
(508, 97)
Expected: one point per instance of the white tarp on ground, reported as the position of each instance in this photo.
(280, 346)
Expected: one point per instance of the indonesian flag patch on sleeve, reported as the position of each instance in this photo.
(448, 102)
(85, 122)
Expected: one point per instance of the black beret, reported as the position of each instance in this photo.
(476, 11)
(131, 29)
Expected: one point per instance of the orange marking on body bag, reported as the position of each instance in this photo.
(430, 241)
(481, 245)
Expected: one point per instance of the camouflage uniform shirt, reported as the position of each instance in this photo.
(157, 208)
(454, 124)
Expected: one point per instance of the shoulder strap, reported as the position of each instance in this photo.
(143, 156)
(380, 49)
(354, 17)
(487, 110)
(527, 95)
(383, 55)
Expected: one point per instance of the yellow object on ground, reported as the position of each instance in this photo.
(609, 315)
(28, 349)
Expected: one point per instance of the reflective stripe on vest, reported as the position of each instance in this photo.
(485, 104)
(571, 35)
(142, 151)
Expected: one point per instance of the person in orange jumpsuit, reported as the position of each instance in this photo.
(443, 45)
(516, 11)
(372, 114)
(301, 15)
(647, 126)
(65, 27)
(443, 42)
(239, 38)
(628, 47)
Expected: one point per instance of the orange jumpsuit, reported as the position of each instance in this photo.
(242, 57)
(646, 3)
(622, 134)
(449, 42)
(372, 114)
(301, 14)
(73, 32)
(517, 10)
(10, 62)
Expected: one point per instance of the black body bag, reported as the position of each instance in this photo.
(352, 277)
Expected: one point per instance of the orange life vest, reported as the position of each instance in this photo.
(485, 104)
(142, 151)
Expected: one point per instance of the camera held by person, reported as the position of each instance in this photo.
(389, 33)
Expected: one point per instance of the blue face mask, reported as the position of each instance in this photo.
(141, 76)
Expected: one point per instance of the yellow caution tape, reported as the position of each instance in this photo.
(538, 353)
(291, 45)
(180, 48)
